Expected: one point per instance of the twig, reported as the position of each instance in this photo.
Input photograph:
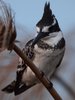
(40, 75)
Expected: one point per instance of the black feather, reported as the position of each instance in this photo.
(22, 88)
(9, 88)
(17, 89)
(47, 18)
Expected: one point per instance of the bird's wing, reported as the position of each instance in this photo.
(29, 50)
(17, 86)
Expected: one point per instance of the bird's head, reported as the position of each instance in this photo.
(47, 21)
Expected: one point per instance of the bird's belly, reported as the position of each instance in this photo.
(47, 62)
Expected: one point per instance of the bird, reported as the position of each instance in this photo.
(46, 50)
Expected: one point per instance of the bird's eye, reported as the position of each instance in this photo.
(37, 29)
(45, 29)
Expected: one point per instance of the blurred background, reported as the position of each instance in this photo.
(27, 14)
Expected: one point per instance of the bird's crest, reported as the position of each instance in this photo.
(47, 10)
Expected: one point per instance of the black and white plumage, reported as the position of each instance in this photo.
(46, 51)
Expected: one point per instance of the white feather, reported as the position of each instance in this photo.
(45, 29)
(53, 38)
(20, 61)
(37, 29)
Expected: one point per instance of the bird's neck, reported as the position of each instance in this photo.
(53, 38)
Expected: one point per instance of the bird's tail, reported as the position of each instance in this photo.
(16, 89)
(9, 88)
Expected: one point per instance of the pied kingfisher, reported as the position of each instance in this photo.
(46, 51)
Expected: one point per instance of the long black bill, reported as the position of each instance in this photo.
(39, 36)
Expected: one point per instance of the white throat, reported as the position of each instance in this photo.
(53, 38)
